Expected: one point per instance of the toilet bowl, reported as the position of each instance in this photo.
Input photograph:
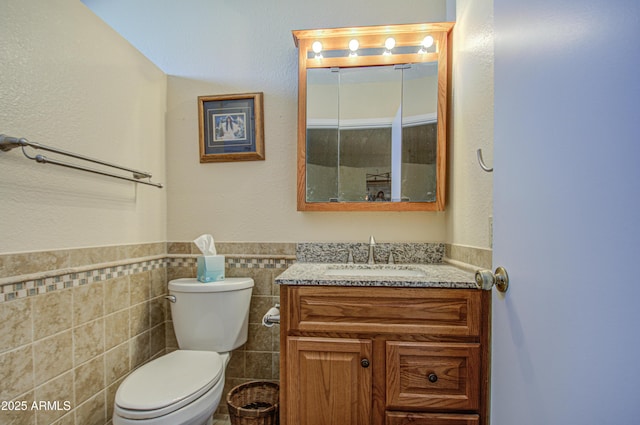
(185, 386)
(182, 387)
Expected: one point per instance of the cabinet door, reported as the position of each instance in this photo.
(329, 381)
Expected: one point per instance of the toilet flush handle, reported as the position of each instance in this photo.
(171, 298)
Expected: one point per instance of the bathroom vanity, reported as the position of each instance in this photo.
(367, 345)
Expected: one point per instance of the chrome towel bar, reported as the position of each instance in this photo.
(7, 143)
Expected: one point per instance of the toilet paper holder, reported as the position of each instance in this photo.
(272, 316)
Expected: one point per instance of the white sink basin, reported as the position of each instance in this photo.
(373, 271)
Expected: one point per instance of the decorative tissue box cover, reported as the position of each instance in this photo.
(210, 268)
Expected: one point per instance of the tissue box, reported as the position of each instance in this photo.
(210, 268)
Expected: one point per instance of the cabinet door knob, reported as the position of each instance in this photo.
(364, 362)
(432, 377)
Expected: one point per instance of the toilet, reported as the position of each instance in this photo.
(185, 387)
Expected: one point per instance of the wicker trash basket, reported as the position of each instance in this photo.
(254, 403)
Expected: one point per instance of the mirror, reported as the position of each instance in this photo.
(372, 133)
(372, 126)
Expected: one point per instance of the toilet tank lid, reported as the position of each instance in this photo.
(194, 285)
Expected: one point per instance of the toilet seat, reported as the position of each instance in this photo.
(168, 383)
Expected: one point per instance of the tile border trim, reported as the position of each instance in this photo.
(33, 284)
(43, 283)
(17, 287)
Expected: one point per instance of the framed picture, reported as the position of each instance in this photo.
(231, 127)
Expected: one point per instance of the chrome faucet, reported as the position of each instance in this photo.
(372, 244)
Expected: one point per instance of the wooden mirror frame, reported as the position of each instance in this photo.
(374, 37)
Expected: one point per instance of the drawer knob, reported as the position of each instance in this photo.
(364, 362)
(432, 377)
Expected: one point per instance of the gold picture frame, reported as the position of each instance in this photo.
(231, 127)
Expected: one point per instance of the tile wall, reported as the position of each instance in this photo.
(76, 322)
(469, 256)
(71, 330)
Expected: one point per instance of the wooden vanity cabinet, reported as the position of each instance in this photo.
(383, 356)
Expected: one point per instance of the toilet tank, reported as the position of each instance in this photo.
(212, 316)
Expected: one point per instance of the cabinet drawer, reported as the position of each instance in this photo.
(432, 375)
(414, 311)
(410, 418)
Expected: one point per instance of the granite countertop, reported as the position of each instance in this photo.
(436, 276)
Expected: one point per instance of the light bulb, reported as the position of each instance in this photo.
(353, 47)
(317, 49)
(390, 43)
(427, 42)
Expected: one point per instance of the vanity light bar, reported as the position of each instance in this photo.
(389, 45)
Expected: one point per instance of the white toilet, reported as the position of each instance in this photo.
(185, 387)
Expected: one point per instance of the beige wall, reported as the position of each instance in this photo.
(101, 97)
(70, 81)
(73, 329)
(471, 188)
(256, 201)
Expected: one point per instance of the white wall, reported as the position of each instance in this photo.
(471, 193)
(70, 81)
